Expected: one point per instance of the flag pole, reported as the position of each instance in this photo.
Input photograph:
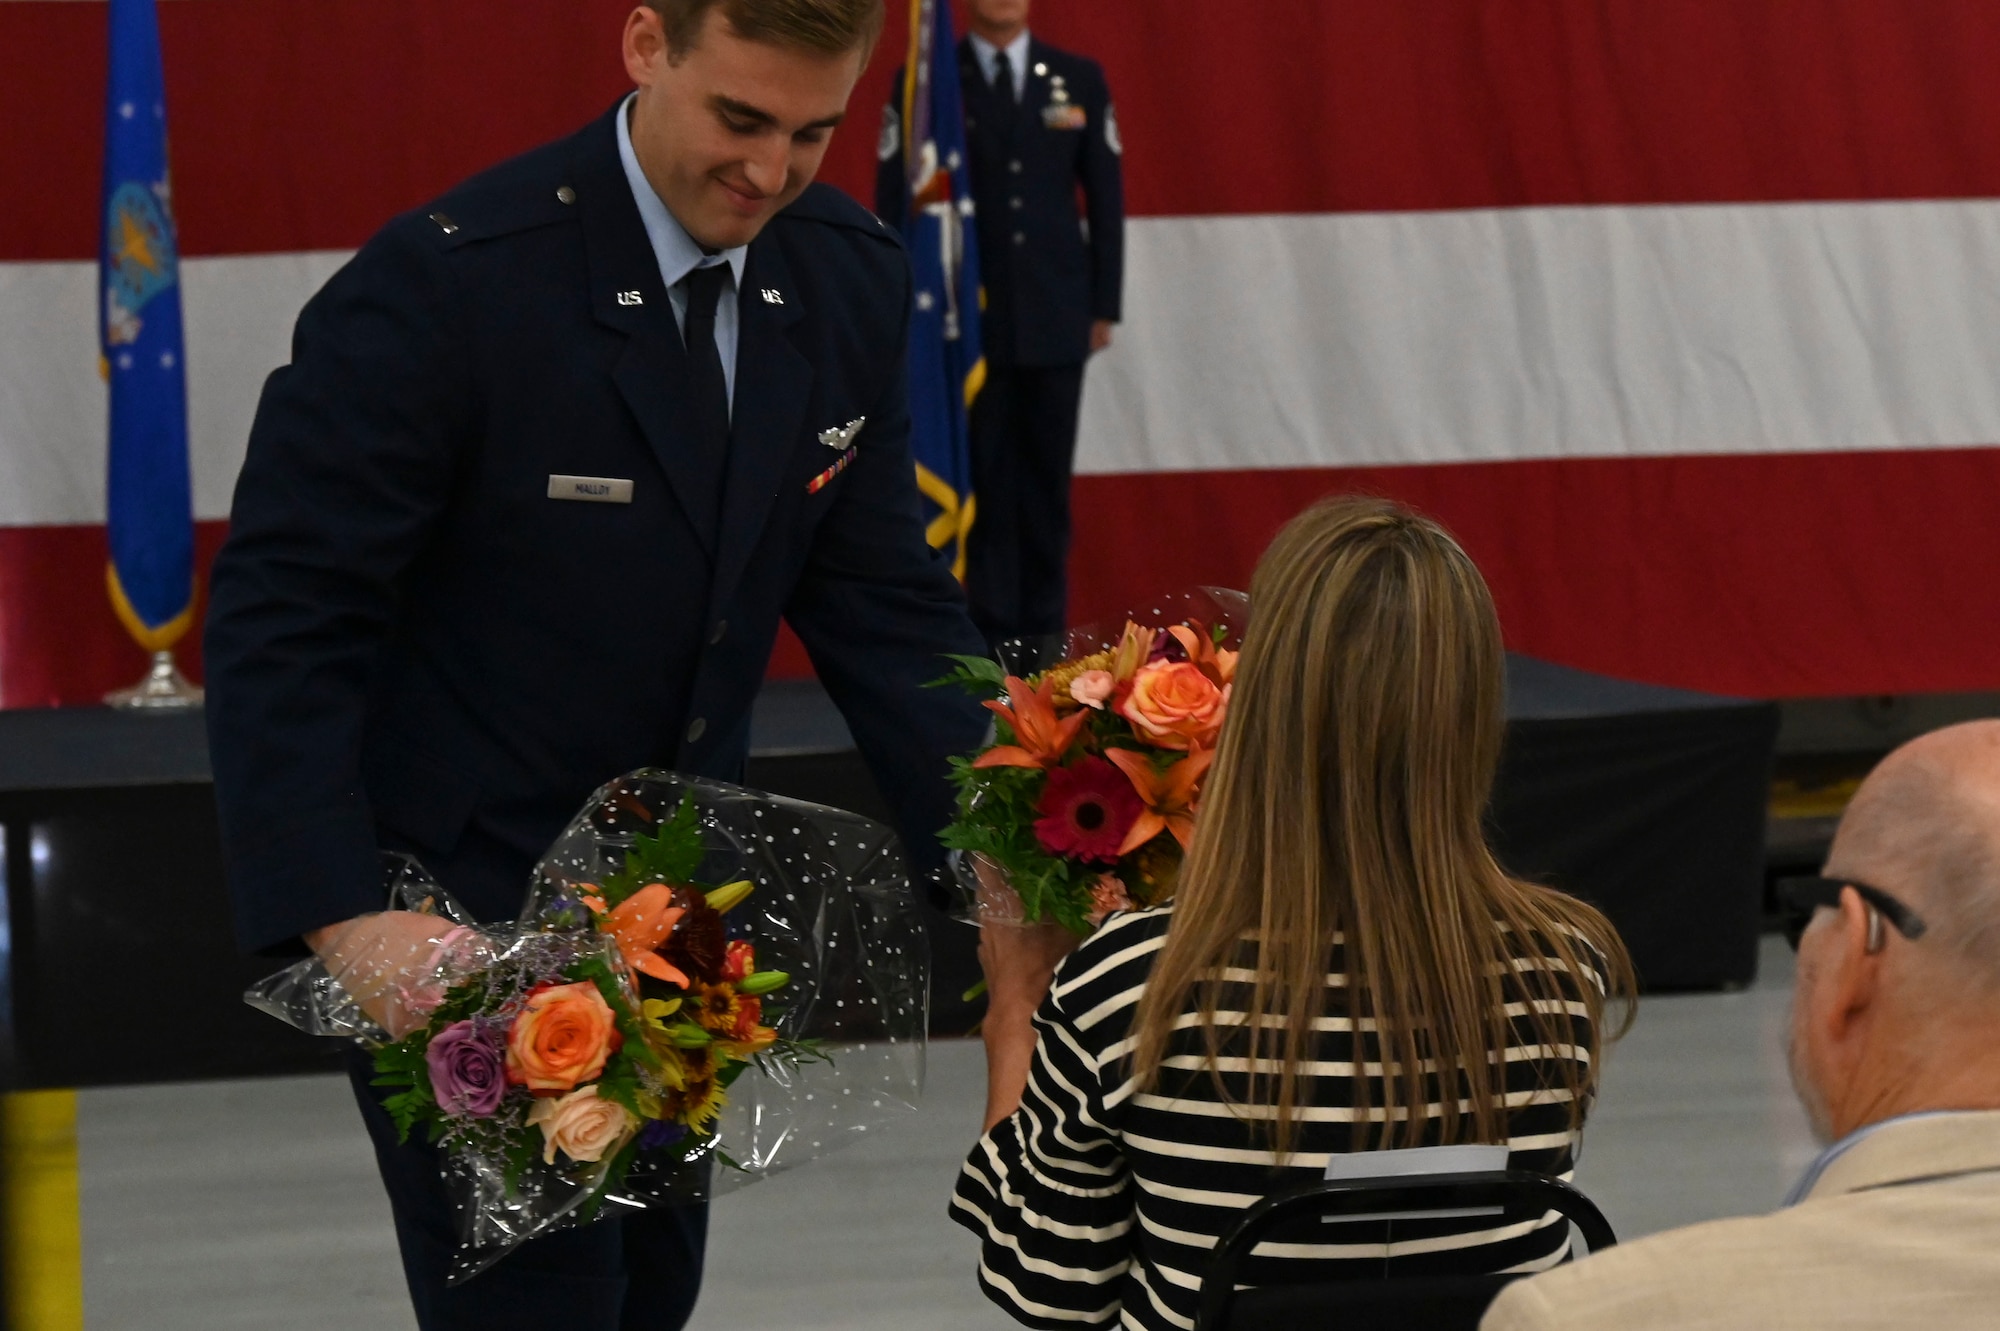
(164, 688)
(149, 498)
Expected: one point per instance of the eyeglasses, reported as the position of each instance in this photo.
(1801, 897)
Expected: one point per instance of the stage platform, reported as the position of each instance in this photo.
(1648, 801)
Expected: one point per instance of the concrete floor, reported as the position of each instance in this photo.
(254, 1204)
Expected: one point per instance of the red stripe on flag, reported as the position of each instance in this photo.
(305, 126)
(60, 643)
(1386, 105)
(1762, 576)
(296, 126)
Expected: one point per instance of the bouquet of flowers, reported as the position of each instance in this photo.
(1085, 801)
(592, 1050)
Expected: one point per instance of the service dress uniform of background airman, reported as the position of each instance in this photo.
(523, 514)
(1036, 137)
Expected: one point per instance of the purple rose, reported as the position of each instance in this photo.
(468, 1070)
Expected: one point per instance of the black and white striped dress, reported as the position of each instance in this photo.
(1096, 1205)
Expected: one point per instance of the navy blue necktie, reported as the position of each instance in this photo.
(709, 388)
(1003, 82)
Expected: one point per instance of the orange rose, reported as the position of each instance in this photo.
(560, 1038)
(1173, 704)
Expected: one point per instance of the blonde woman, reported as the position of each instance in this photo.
(1345, 967)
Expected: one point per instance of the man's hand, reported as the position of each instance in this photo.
(393, 963)
(1100, 334)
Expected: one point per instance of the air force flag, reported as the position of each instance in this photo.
(148, 493)
(947, 367)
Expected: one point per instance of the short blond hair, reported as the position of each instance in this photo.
(831, 27)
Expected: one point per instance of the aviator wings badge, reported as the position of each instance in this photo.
(841, 436)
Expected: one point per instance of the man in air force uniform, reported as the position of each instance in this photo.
(553, 455)
(1040, 127)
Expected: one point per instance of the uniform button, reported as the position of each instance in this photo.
(1015, 166)
(697, 730)
(715, 635)
(565, 195)
(1014, 202)
(1020, 238)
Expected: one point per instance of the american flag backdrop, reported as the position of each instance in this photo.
(1684, 314)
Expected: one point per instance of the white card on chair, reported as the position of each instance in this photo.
(1415, 1162)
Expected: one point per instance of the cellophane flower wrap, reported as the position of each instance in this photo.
(706, 985)
(1084, 802)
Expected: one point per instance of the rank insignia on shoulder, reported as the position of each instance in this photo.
(1065, 115)
(841, 436)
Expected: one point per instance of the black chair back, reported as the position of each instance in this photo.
(1453, 1303)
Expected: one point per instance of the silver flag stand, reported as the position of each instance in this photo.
(164, 689)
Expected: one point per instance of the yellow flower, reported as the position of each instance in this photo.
(717, 1007)
(701, 1105)
(673, 1069)
(673, 1073)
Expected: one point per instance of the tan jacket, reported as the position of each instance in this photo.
(1901, 1231)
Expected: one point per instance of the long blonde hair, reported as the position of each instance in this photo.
(1345, 810)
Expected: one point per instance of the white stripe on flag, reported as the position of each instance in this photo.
(1402, 338)
(1300, 341)
(239, 314)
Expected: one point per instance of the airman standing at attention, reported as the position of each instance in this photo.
(1040, 126)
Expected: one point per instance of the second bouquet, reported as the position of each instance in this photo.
(1084, 803)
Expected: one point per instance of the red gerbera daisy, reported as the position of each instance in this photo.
(1087, 808)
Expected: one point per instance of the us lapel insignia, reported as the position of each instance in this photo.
(821, 481)
(841, 436)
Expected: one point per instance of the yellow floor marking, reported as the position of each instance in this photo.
(1796, 799)
(44, 1232)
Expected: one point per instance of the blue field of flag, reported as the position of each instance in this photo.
(148, 493)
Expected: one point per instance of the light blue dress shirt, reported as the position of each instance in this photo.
(678, 255)
(1805, 1185)
(986, 52)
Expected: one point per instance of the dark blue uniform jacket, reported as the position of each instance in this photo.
(1046, 279)
(410, 644)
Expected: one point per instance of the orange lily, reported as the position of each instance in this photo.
(1213, 661)
(1133, 651)
(638, 925)
(1040, 739)
(1168, 796)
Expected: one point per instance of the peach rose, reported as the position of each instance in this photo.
(560, 1038)
(1093, 688)
(1173, 704)
(580, 1125)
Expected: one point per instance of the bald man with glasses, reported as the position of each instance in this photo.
(1895, 1053)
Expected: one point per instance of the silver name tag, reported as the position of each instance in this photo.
(591, 489)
